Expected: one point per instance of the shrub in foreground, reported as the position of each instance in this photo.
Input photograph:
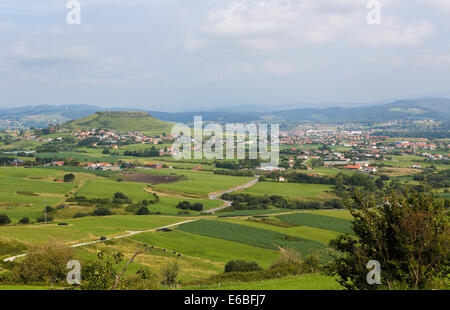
(4, 219)
(143, 211)
(102, 211)
(241, 266)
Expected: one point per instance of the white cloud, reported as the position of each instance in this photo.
(439, 4)
(270, 67)
(23, 51)
(430, 58)
(284, 24)
(395, 32)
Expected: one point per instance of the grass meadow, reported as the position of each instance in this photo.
(291, 190)
(208, 248)
(312, 281)
(319, 221)
(263, 238)
(198, 183)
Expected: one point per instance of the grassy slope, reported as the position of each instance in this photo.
(300, 282)
(208, 248)
(304, 232)
(105, 188)
(123, 121)
(198, 182)
(262, 238)
(82, 229)
(320, 221)
(291, 190)
(38, 181)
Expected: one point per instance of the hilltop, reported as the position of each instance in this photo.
(122, 121)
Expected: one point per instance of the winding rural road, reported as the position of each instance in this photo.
(130, 233)
(226, 202)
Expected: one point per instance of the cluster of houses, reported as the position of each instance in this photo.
(103, 166)
(114, 137)
(348, 165)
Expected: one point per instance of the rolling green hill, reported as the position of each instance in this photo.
(122, 121)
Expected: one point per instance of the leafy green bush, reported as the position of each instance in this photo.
(4, 219)
(102, 211)
(48, 209)
(78, 215)
(186, 205)
(143, 211)
(45, 263)
(42, 219)
(24, 220)
(69, 177)
(241, 266)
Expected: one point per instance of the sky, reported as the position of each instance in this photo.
(182, 55)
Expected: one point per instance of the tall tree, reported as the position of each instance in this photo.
(408, 235)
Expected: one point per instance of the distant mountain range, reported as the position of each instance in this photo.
(418, 109)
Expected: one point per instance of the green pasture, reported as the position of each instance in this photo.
(198, 183)
(191, 268)
(263, 238)
(319, 221)
(85, 229)
(25, 192)
(207, 248)
(105, 188)
(342, 214)
(305, 232)
(312, 281)
(291, 190)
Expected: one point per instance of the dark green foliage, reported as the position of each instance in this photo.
(48, 209)
(42, 219)
(98, 275)
(439, 179)
(78, 215)
(409, 235)
(240, 164)
(379, 183)
(152, 152)
(186, 205)
(70, 177)
(243, 201)
(241, 266)
(121, 198)
(143, 211)
(102, 211)
(24, 220)
(45, 263)
(4, 219)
